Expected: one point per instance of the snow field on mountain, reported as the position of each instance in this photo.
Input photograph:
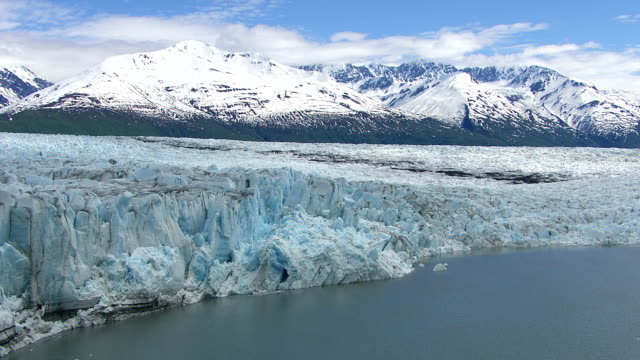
(494, 94)
(100, 224)
(23, 73)
(17, 82)
(193, 79)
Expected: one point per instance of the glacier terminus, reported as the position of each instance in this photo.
(97, 228)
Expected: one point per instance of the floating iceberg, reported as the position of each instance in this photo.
(92, 229)
(440, 267)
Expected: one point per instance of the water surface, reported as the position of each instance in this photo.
(541, 304)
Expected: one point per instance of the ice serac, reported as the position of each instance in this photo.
(138, 224)
(225, 233)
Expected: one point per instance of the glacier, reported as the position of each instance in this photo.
(95, 229)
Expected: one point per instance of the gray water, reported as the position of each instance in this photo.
(541, 304)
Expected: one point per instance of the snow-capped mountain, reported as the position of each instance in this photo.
(193, 79)
(579, 104)
(388, 83)
(488, 97)
(194, 89)
(16, 82)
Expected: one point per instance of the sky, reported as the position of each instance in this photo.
(597, 42)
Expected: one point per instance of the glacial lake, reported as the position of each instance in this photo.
(561, 303)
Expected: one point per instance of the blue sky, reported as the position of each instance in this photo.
(593, 43)
(569, 21)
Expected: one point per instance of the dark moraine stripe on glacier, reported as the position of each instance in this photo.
(515, 177)
(543, 304)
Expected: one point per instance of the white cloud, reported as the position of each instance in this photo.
(605, 69)
(348, 36)
(557, 49)
(238, 10)
(137, 28)
(64, 49)
(32, 14)
(282, 44)
(628, 18)
(57, 59)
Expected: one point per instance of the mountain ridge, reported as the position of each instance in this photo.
(492, 94)
(17, 82)
(194, 89)
(211, 82)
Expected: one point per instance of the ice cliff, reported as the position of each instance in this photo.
(94, 228)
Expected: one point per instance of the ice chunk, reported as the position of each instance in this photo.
(6, 319)
(144, 174)
(171, 180)
(222, 183)
(440, 267)
(31, 179)
(338, 224)
(15, 271)
(153, 271)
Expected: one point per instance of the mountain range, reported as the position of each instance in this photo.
(487, 99)
(193, 89)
